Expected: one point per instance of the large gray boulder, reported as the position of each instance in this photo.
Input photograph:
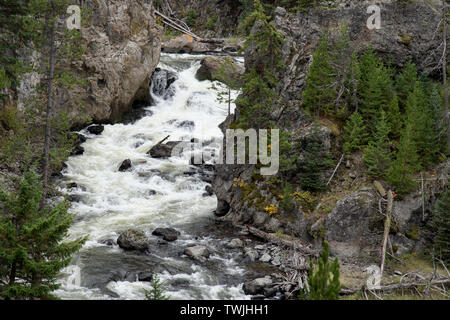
(347, 227)
(223, 69)
(257, 286)
(199, 253)
(133, 239)
(168, 234)
(163, 150)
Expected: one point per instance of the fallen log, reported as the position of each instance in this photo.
(294, 244)
(398, 286)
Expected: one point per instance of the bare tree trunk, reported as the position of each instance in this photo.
(444, 74)
(387, 228)
(48, 112)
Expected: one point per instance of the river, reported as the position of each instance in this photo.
(154, 193)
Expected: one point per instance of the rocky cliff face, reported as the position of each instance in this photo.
(123, 45)
(407, 30)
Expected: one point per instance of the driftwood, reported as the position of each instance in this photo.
(171, 23)
(387, 228)
(398, 286)
(163, 140)
(335, 170)
(294, 244)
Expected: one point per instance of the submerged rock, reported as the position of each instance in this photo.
(133, 240)
(235, 243)
(199, 253)
(161, 83)
(257, 286)
(168, 234)
(96, 129)
(163, 151)
(126, 164)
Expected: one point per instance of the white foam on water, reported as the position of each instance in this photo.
(113, 201)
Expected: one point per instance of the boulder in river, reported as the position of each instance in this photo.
(235, 243)
(96, 129)
(126, 164)
(223, 69)
(199, 253)
(257, 286)
(161, 83)
(133, 239)
(168, 234)
(163, 151)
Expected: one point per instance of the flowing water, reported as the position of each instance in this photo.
(155, 193)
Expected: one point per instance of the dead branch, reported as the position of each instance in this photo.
(294, 244)
(397, 286)
(335, 170)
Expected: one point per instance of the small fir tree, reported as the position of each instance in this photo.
(377, 154)
(355, 133)
(319, 94)
(406, 163)
(31, 249)
(157, 289)
(314, 162)
(395, 118)
(323, 280)
(405, 84)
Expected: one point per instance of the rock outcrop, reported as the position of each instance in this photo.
(407, 31)
(225, 70)
(122, 48)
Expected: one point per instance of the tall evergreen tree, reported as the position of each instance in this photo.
(313, 163)
(31, 251)
(377, 154)
(406, 163)
(355, 136)
(319, 95)
(259, 83)
(375, 89)
(405, 83)
(418, 114)
(395, 118)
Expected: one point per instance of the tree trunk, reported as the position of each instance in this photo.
(48, 112)
(444, 75)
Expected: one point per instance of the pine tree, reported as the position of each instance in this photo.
(313, 163)
(319, 94)
(287, 202)
(439, 124)
(375, 88)
(355, 133)
(395, 118)
(31, 249)
(259, 83)
(377, 154)
(157, 289)
(442, 224)
(323, 280)
(406, 163)
(405, 84)
(418, 113)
